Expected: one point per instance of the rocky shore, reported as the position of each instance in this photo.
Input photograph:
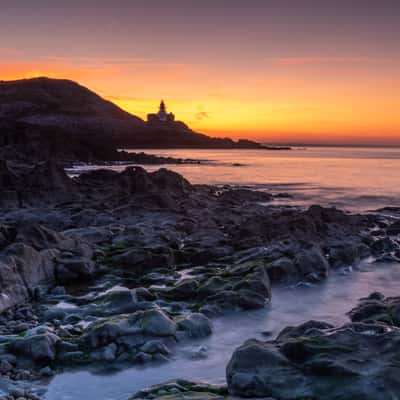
(315, 360)
(122, 267)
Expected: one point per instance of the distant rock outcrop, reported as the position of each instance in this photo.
(44, 117)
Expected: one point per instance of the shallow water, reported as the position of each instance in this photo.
(346, 177)
(328, 301)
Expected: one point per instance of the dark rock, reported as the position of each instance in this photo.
(40, 348)
(195, 325)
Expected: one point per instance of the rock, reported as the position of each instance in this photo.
(183, 290)
(347, 253)
(58, 291)
(40, 348)
(71, 270)
(100, 334)
(5, 366)
(107, 353)
(240, 196)
(154, 322)
(40, 237)
(119, 301)
(143, 357)
(394, 228)
(311, 261)
(195, 325)
(281, 269)
(308, 361)
(133, 327)
(143, 258)
(22, 270)
(46, 372)
(377, 308)
(213, 285)
(182, 389)
(155, 346)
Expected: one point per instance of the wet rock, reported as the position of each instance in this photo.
(377, 308)
(309, 261)
(119, 301)
(239, 196)
(347, 253)
(308, 361)
(40, 348)
(155, 346)
(46, 372)
(182, 389)
(107, 353)
(213, 285)
(195, 325)
(154, 323)
(281, 269)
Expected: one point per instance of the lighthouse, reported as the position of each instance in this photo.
(162, 115)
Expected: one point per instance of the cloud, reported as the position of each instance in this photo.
(202, 115)
(326, 60)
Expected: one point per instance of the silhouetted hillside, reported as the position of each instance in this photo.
(43, 117)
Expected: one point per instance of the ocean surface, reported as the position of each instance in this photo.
(356, 179)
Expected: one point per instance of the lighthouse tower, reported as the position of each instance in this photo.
(162, 115)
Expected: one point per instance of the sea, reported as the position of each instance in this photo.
(351, 178)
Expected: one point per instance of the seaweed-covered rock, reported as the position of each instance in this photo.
(317, 360)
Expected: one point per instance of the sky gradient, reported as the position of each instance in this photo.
(297, 71)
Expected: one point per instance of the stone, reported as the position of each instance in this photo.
(195, 325)
(71, 270)
(155, 346)
(40, 348)
(155, 322)
(183, 290)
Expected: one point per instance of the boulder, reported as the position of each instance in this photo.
(39, 348)
(74, 269)
(311, 261)
(118, 301)
(154, 322)
(195, 325)
(22, 270)
(186, 289)
(40, 237)
(318, 361)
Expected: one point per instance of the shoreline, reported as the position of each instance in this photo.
(156, 259)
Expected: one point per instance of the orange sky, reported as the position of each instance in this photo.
(281, 76)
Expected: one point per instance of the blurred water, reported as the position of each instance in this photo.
(328, 301)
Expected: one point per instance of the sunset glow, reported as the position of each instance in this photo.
(261, 70)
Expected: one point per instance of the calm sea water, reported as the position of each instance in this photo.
(346, 177)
